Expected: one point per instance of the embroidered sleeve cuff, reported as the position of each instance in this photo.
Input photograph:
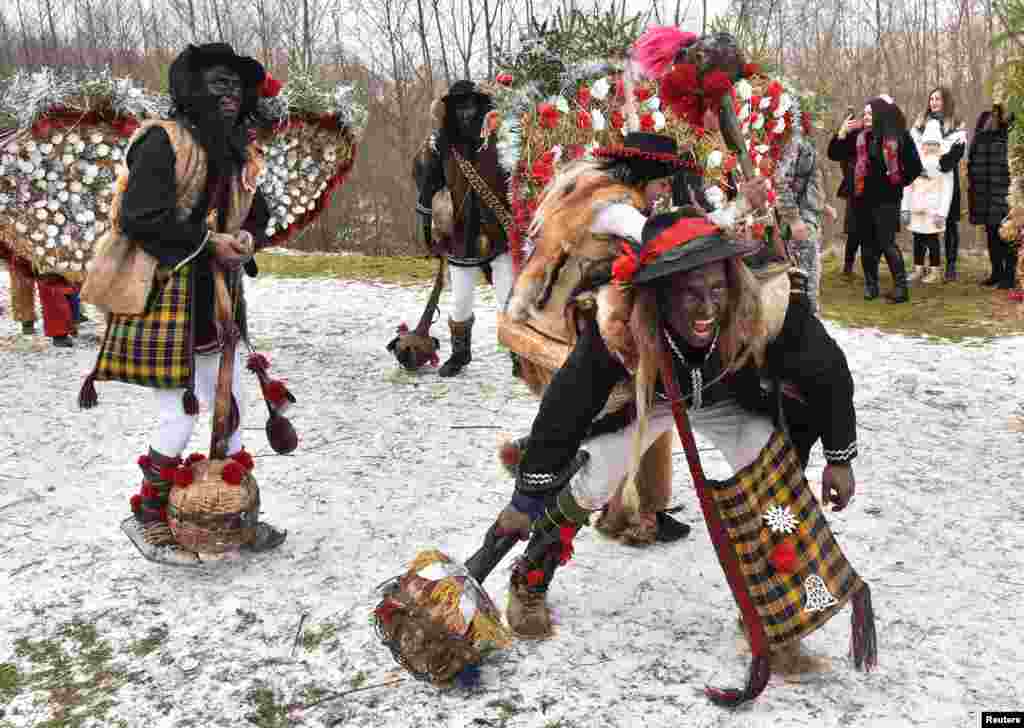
(842, 455)
(423, 210)
(541, 483)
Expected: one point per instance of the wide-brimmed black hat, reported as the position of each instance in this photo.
(462, 89)
(651, 156)
(674, 242)
(195, 58)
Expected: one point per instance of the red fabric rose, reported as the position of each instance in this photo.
(183, 477)
(647, 122)
(751, 69)
(535, 577)
(755, 102)
(618, 120)
(233, 473)
(276, 392)
(136, 503)
(783, 557)
(549, 115)
(774, 89)
(583, 121)
(642, 93)
(505, 79)
(757, 231)
(730, 163)
(270, 87)
(542, 172)
(679, 83)
(716, 84)
(243, 458)
(583, 96)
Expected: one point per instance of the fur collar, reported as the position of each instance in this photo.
(949, 126)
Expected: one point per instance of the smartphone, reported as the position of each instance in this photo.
(851, 114)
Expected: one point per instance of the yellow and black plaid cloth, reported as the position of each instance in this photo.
(152, 349)
(775, 478)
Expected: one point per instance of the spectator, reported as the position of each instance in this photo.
(954, 136)
(884, 160)
(988, 176)
(58, 319)
(852, 244)
(927, 203)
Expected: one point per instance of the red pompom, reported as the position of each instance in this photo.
(167, 474)
(257, 363)
(583, 96)
(751, 69)
(758, 231)
(730, 163)
(565, 536)
(575, 151)
(625, 266)
(583, 120)
(642, 93)
(647, 122)
(716, 84)
(145, 461)
(183, 477)
(386, 610)
(233, 473)
(270, 86)
(549, 115)
(535, 577)
(680, 83)
(243, 458)
(403, 328)
(618, 120)
(774, 89)
(783, 557)
(509, 454)
(275, 391)
(136, 503)
(194, 458)
(505, 79)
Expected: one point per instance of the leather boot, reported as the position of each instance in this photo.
(869, 263)
(502, 536)
(918, 274)
(28, 327)
(1009, 272)
(901, 291)
(462, 335)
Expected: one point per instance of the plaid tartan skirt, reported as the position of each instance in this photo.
(153, 349)
(793, 570)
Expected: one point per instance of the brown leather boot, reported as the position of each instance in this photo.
(462, 342)
(528, 614)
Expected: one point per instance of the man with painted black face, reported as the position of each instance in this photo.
(187, 198)
(691, 295)
(462, 156)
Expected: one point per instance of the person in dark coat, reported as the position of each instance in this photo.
(884, 160)
(852, 244)
(988, 176)
(942, 108)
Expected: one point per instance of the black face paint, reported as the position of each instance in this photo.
(224, 86)
(467, 117)
(696, 303)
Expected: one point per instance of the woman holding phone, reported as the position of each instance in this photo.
(882, 159)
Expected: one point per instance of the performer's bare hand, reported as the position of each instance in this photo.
(755, 192)
(837, 485)
(230, 251)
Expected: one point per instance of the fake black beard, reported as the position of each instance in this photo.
(224, 145)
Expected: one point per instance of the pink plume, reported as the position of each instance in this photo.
(656, 49)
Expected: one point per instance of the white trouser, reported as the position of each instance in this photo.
(175, 427)
(738, 434)
(464, 279)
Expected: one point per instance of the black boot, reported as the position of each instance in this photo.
(1009, 272)
(995, 260)
(952, 251)
(28, 327)
(501, 538)
(901, 290)
(63, 342)
(869, 264)
(462, 337)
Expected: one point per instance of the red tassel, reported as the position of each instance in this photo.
(509, 454)
(233, 473)
(565, 536)
(385, 611)
(863, 640)
(136, 503)
(167, 474)
(535, 577)
(190, 403)
(87, 397)
(757, 680)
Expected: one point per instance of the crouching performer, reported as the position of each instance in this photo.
(685, 321)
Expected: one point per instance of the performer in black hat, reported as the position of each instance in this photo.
(188, 199)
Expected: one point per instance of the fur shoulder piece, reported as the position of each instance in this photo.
(437, 113)
(774, 293)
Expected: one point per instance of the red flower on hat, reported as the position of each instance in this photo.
(618, 120)
(647, 122)
(549, 115)
(783, 557)
(751, 69)
(243, 458)
(757, 231)
(575, 151)
(730, 163)
(542, 171)
(565, 536)
(755, 102)
(270, 87)
(642, 94)
(505, 79)
(716, 84)
(583, 120)
(774, 89)
(583, 96)
(679, 83)
(535, 577)
(626, 265)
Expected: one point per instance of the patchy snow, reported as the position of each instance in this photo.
(391, 463)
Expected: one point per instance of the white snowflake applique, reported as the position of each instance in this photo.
(780, 519)
(817, 597)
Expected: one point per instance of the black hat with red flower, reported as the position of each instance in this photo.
(674, 242)
(649, 156)
(196, 58)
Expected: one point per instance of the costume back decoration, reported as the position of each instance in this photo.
(70, 133)
(438, 621)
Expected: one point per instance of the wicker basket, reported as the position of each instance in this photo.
(211, 515)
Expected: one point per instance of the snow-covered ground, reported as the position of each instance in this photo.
(391, 463)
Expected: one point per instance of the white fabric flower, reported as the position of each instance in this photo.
(560, 103)
(714, 159)
(51, 231)
(46, 148)
(40, 250)
(41, 214)
(597, 120)
(57, 139)
(744, 112)
(780, 126)
(102, 150)
(743, 89)
(715, 196)
(762, 149)
(653, 103)
(96, 138)
(600, 88)
(659, 120)
(557, 151)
